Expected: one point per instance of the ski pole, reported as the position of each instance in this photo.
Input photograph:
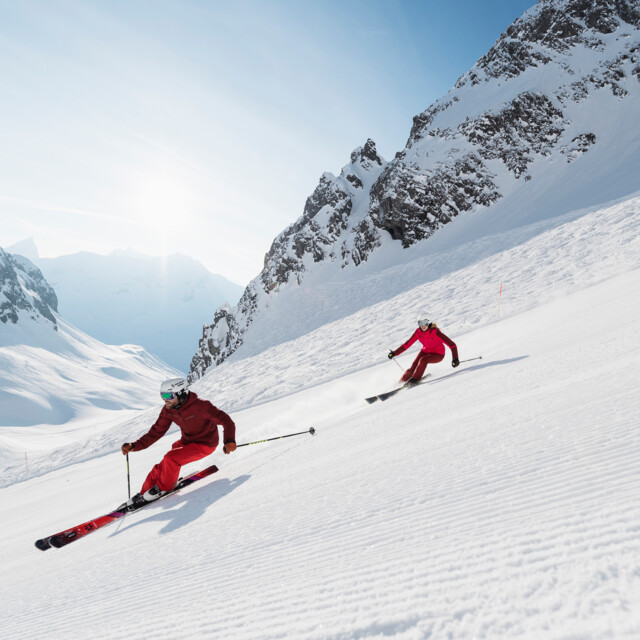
(470, 359)
(246, 444)
(128, 478)
(401, 369)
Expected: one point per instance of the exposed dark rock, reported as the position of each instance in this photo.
(556, 26)
(411, 205)
(24, 288)
(326, 216)
(578, 146)
(529, 124)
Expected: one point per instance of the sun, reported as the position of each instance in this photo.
(161, 199)
(162, 206)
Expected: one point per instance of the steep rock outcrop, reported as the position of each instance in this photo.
(24, 292)
(447, 166)
(322, 234)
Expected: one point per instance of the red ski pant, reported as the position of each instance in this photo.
(416, 370)
(165, 474)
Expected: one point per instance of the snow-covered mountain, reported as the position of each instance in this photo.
(131, 298)
(546, 122)
(55, 376)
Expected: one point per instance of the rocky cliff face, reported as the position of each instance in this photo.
(554, 56)
(324, 233)
(325, 228)
(24, 293)
(533, 100)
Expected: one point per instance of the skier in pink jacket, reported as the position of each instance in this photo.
(433, 341)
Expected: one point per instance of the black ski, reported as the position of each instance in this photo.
(407, 385)
(388, 394)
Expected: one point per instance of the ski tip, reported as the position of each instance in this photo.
(43, 544)
(371, 400)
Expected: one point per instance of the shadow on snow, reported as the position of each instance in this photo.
(180, 510)
(475, 367)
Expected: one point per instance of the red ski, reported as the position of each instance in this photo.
(69, 535)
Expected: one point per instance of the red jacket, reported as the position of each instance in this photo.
(433, 341)
(198, 420)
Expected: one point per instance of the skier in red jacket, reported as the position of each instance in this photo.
(198, 420)
(433, 341)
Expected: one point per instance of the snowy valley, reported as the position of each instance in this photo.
(131, 298)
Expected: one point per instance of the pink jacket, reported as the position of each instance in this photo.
(432, 340)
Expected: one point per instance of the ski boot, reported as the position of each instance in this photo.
(139, 500)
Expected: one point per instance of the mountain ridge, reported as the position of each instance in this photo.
(533, 129)
(127, 297)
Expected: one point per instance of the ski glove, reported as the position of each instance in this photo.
(455, 362)
(229, 447)
(126, 447)
(391, 355)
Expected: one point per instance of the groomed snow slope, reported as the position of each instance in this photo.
(499, 500)
(59, 389)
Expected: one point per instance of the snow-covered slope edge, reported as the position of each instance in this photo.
(60, 391)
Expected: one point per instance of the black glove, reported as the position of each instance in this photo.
(455, 362)
(391, 355)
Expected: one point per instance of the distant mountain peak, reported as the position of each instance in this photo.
(26, 248)
(128, 297)
(367, 155)
(552, 27)
(25, 295)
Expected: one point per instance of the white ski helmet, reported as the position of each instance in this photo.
(173, 388)
(423, 320)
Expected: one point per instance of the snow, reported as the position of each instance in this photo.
(497, 500)
(58, 387)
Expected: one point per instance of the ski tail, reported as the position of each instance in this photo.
(385, 396)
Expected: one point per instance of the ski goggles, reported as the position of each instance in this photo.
(169, 395)
(424, 322)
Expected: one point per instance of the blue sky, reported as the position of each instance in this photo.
(202, 126)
